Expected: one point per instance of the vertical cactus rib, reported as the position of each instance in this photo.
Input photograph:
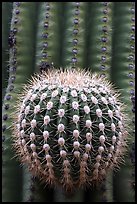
(123, 72)
(99, 56)
(123, 51)
(74, 36)
(132, 83)
(20, 68)
(47, 50)
(108, 192)
(100, 53)
(27, 183)
(34, 191)
(6, 7)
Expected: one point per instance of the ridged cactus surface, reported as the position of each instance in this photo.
(72, 126)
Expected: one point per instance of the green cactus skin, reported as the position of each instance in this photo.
(27, 185)
(47, 47)
(99, 56)
(123, 68)
(100, 37)
(21, 65)
(121, 26)
(70, 155)
(74, 35)
(6, 7)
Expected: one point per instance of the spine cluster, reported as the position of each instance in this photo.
(70, 128)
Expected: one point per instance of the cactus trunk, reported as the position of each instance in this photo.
(69, 126)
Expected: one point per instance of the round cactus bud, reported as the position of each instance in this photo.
(70, 128)
(61, 141)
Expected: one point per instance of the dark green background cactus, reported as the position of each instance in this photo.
(105, 35)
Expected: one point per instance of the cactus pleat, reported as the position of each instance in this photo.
(74, 35)
(69, 128)
(123, 67)
(21, 66)
(27, 182)
(48, 35)
(99, 57)
(100, 39)
(6, 7)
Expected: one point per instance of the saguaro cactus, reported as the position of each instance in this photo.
(69, 126)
